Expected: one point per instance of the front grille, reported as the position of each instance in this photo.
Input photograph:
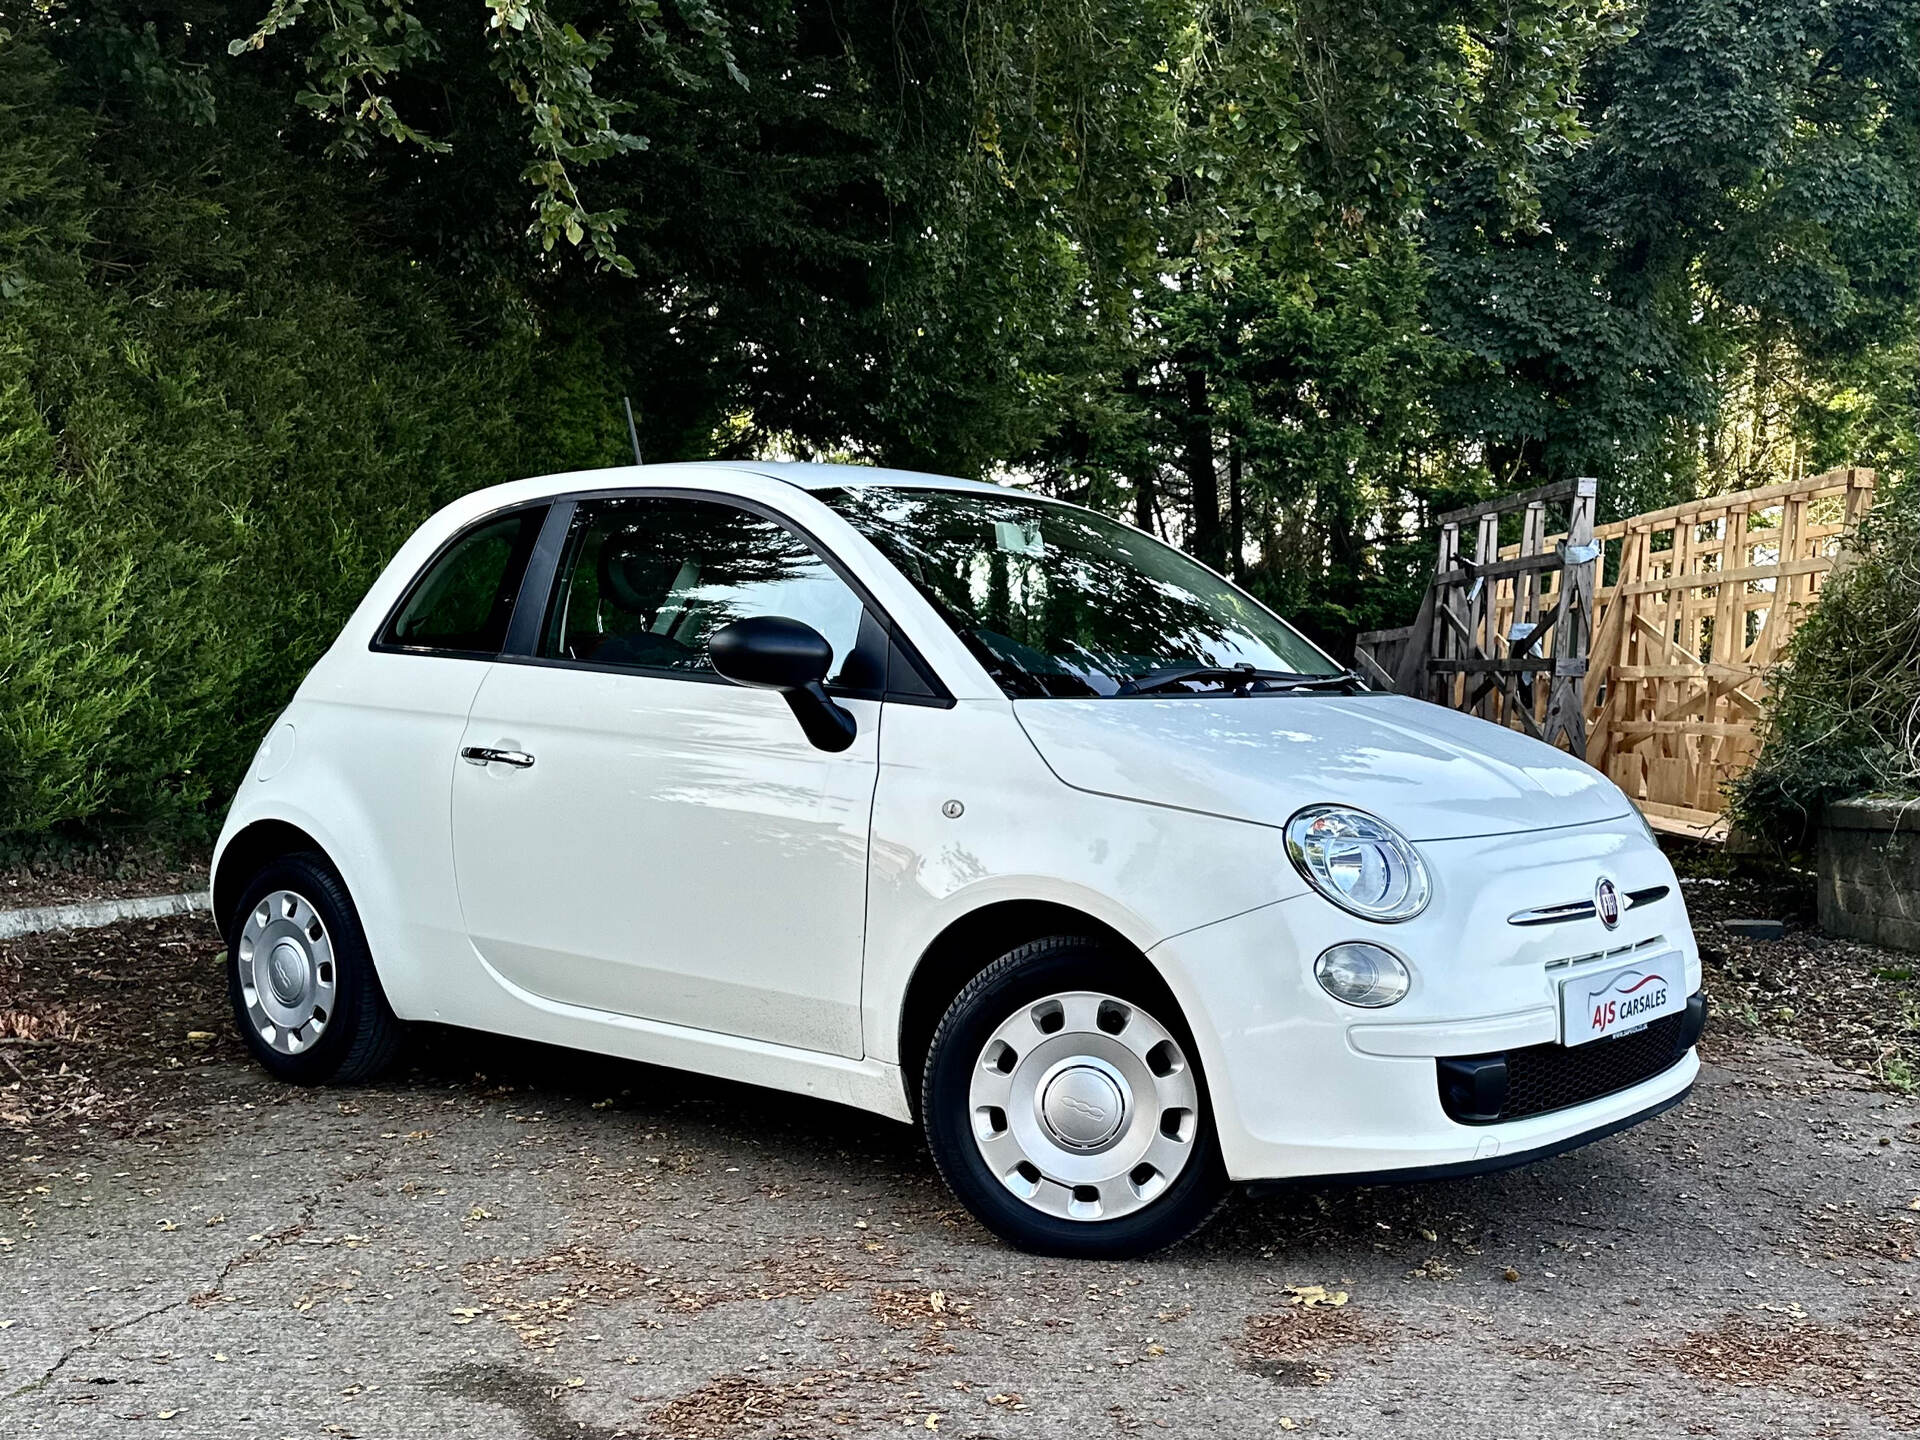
(1489, 1089)
(1567, 962)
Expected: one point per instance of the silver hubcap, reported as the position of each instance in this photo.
(286, 972)
(1084, 1106)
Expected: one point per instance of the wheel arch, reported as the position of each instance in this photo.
(973, 941)
(242, 858)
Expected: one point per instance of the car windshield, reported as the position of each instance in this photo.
(1058, 601)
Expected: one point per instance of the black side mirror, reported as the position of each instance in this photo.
(770, 652)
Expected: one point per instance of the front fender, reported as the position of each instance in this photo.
(1147, 872)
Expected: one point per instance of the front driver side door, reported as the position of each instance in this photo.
(661, 843)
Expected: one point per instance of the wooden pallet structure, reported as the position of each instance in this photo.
(1705, 597)
(1671, 671)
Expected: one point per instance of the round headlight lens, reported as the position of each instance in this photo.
(1361, 974)
(1359, 863)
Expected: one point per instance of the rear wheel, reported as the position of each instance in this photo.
(301, 978)
(1064, 1105)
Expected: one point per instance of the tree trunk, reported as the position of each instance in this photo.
(1203, 481)
(1140, 470)
(1143, 496)
(1236, 515)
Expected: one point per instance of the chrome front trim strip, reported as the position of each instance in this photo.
(1582, 909)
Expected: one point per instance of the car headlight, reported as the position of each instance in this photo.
(1357, 973)
(1646, 825)
(1361, 864)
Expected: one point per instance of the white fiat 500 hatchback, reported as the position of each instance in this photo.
(961, 806)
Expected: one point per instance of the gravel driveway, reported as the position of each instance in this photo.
(516, 1241)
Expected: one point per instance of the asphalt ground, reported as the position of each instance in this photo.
(508, 1240)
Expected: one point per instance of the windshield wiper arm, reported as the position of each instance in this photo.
(1237, 678)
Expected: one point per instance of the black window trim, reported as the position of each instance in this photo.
(537, 581)
(380, 645)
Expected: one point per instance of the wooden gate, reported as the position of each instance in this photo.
(1503, 634)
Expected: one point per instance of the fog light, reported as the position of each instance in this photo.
(1357, 973)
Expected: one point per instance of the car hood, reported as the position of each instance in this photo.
(1433, 773)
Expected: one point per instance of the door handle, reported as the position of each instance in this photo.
(483, 755)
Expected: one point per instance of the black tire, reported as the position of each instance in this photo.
(361, 1035)
(1023, 977)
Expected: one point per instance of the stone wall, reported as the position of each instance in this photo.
(1870, 871)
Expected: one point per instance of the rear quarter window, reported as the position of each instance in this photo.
(462, 602)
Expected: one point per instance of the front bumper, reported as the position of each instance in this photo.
(1303, 1086)
(1492, 1165)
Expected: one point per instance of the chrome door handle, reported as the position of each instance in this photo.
(482, 755)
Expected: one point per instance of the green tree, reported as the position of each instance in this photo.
(1279, 279)
(1702, 283)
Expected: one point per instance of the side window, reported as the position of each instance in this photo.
(462, 601)
(645, 581)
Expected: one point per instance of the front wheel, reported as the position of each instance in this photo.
(1065, 1106)
(301, 978)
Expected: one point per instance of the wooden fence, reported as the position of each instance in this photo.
(1671, 663)
(1704, 599)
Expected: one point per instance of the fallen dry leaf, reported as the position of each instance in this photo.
(1311, 1295)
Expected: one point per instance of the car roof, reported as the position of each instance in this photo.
(801, 475)
(812, 475)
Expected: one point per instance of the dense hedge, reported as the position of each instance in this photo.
(1843, 708)
(223, 403)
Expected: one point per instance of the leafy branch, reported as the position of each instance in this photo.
(361, 47)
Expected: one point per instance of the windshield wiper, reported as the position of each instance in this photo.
(1237, 678)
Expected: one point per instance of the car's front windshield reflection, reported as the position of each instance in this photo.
(1059, 601)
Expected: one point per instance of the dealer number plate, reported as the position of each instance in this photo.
(1608, 1002)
